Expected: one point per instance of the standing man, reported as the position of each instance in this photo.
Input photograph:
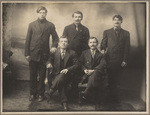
(64, 63)
(77, 34)
(37, 51)
(116, 45)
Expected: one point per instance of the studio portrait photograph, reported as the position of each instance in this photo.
(74, 57)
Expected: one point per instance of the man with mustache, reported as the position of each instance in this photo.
(37, 51)
(77, 34)
(64, 62)
(115, 44)
(93, 66)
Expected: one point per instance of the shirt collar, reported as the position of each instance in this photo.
(78, 24)
(41, 20)
(63, 50)
(115, 28)
(93, 51)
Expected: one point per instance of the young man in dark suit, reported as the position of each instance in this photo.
(77, 34)
(94, 66)
(64, 62)
(115, 44)
(37, 51)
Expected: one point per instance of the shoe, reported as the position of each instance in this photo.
(65, 106)
(99, 107)
(32, 98)
(48, 95)
(40, 98)
(83, 96)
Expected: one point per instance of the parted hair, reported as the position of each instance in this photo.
(77, 12)
(41, 8)
(93, 38)
(118, 16)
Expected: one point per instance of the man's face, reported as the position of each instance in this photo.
(77, 18)
(63, 43)
(92, 44)
(117, 22)
(42, 14)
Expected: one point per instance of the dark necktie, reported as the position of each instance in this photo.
(63, 54)
(117, 32)
(92, 52)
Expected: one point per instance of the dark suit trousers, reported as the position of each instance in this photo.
(95, 87)
(37, 69)
(60, 83)
(114, 76)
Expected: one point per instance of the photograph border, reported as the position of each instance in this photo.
(83, 112)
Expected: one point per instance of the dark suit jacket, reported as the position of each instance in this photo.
(78, 40)
(118, 47)
(37, 39)
(98, 63)
(70, 61)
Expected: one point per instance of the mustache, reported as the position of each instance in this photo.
(92, 45)
(77, 20)
(117, 23)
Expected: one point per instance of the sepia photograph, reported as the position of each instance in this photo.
(74, 57)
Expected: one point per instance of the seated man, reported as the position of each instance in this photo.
(64, 62)
(93, 66)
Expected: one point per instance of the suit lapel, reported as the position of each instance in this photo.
(38, 26)
(45, 26)
(120, 34)
(80, 29)
(58, 57)
(74, 33)
(89, 57)
(96, 55)
(114, 34)
(67, 55)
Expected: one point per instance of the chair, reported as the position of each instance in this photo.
(81, 87)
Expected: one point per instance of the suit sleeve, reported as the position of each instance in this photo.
(87, 36)
(54, 37)
(75, 63)
(102, 65)
(126, 48)
(28, 40)
(104, 41)
(65, 32)
(50, 59)
(82, 61)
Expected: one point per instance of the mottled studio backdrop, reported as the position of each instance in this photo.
(96, 16)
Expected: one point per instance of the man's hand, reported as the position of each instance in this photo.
(28, 58)
(53, 49)
(65, 71)
(90, 72)
(86, 71)
(123, 64)
(49, 65)
(103, 51)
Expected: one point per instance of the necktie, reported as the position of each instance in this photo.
(117, 31)
(63, 54)
(77, 28)
(92, 54)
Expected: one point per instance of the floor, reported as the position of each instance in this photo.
(16, 99)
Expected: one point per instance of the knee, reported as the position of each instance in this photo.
(61, 78)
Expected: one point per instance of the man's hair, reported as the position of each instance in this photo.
(77, 12)
(93, 38)
(119, 17)
(41, 8)
(62, 37)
